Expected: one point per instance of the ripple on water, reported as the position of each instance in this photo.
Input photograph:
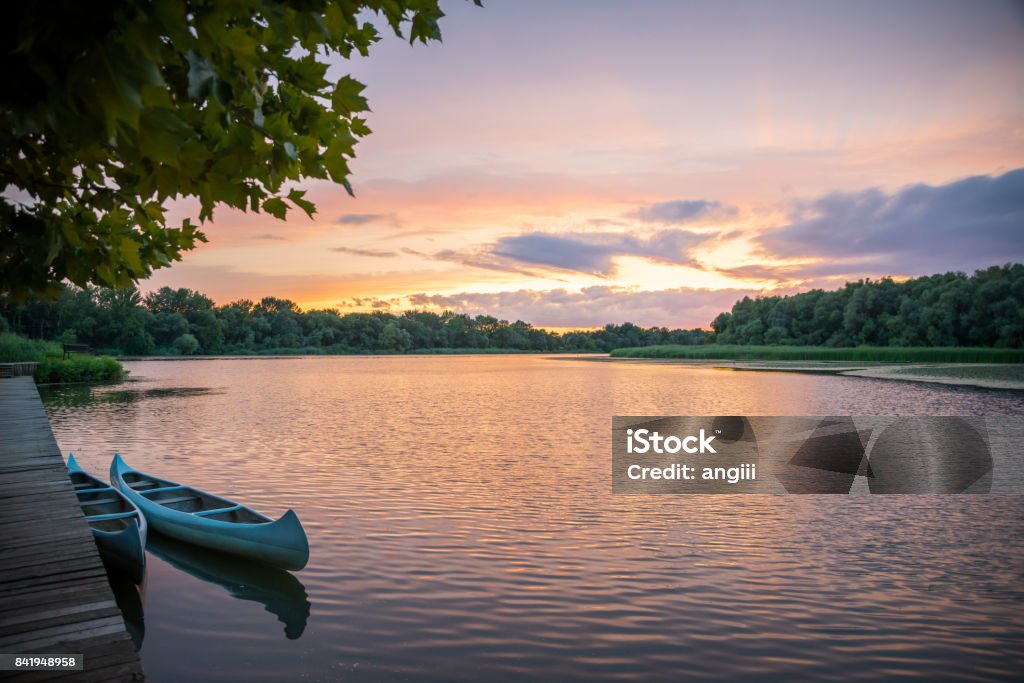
(462, 528)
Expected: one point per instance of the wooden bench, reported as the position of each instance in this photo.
(77, 348)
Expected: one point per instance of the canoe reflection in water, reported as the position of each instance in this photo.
(281, 593)
(129, 598)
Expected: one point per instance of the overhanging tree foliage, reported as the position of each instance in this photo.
(107, 110)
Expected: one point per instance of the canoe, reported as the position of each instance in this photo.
(118, 527)
(198, 517)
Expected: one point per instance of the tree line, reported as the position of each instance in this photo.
(186, 322)
(950, 309)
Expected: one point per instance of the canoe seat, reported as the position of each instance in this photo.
(92, 490)
(112, 515)
(140, 485)
(205, 513)
(179, 499)
(162, 488)
(99, 501)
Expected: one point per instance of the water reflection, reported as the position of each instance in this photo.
(79, 395)
(280, 592)
(463, 526)
(129, 597)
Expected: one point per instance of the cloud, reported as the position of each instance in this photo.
(594, 253)
(268, 236)
(375, 303)
(605, 222)
(968, 224)
(475, 258)
(594, 306)
(683, 211)
(373, 253)
(832, 268)
(361, 218)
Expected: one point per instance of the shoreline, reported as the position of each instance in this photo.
(999, 376)
(373, 354)
(977, 375)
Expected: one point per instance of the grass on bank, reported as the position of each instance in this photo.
(887, 354)
(53, 368)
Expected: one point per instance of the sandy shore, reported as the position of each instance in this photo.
(982, 375)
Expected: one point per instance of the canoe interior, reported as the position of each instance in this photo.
(97, 498)
(186, 499)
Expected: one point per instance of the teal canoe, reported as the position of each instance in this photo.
(118, 527)
(194, 516)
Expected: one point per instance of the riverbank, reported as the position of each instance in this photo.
(858, 354)
(52, 367)
(980, 375)
(305, 353)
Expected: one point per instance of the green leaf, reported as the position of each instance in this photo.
(130, 253)
(239, 42)
(359, 127)
(207, 103)
(346, 98)
(335, 22)
(296, 198)
(275, 207)
(70, 235)
(106, 274)
(54, 248)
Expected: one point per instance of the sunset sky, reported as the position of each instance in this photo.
(576, 163)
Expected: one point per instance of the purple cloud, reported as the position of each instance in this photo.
(361, 218)
(683, 211)
(593, 253)
(373, 253)
(968, 224)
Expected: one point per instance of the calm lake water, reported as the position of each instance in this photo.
(462, 527)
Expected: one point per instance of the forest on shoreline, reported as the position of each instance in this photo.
(948, 309)
(945, 310)
(186, 322)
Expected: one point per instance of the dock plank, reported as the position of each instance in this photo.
(54, 594)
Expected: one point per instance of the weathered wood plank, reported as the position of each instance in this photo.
(29, 613)
(27, 628)
(54, 594)
(66, 633)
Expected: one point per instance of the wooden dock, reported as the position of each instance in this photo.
(54, 595)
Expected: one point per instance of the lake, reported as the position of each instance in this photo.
(462, 527)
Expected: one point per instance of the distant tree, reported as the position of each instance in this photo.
(107, 110)
(949, 309)
(986, 309)
(166, 328)
(196, 308)
(186, 344)
(121, 321)
(394, 338)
